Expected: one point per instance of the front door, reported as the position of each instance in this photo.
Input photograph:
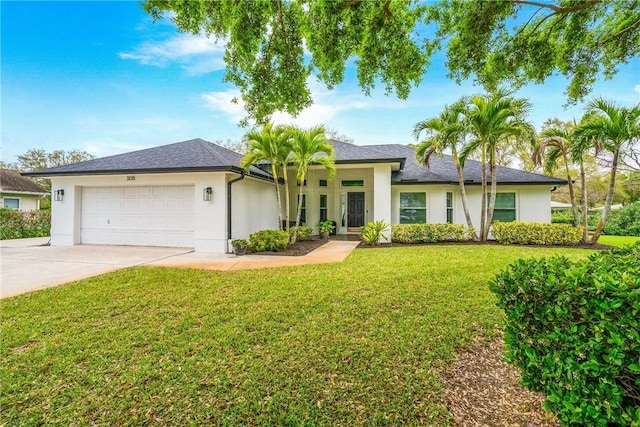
(355, 211)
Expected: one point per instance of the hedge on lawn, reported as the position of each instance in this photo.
(269, 241)
(536, 233)
(16, 224)
(429, 233)
(573, 329)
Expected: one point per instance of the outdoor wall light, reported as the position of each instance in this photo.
(58, 195)
(207, 194)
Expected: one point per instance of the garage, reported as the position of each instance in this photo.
(140, 216)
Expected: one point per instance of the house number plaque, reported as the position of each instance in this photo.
(131, 178)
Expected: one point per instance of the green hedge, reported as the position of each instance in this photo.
(536, 233)
(269, 241)
(22, 224)
(573, 329)
(624, 222)
(429, 233)
(304, 233)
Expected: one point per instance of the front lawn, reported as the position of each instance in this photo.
(352, 343)
(617, 240)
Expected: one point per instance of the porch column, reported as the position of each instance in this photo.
(382, 193)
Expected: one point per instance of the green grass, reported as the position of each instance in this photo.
(353, 343)
(618, 240)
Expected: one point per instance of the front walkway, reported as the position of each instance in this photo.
(333, 251)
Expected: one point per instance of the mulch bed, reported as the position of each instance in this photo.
(297, 249)
(482, 390)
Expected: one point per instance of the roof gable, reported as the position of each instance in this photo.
(11, 180)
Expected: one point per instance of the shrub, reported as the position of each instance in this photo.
(22, 224)
(304, 232)
(429, 233)
(269, 241)
(562, 216)
(573, 329)
(624, 222)
(536, 233)
(372, 233)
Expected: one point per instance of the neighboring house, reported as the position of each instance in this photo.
(19, 192)
(158, 196)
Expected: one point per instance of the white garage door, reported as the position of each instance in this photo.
(142, 216)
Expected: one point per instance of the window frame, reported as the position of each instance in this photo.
(449, 206)
(325, 208)
(18, 199)
(513, 209)
(414, 208)
(354, 181)
(303, 209)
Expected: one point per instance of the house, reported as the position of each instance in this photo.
(194, 194)
(19, 192)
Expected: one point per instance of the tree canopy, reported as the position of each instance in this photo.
(273, 47)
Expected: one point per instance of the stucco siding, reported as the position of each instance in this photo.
(254, 207)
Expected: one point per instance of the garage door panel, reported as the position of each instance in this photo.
(145, 216)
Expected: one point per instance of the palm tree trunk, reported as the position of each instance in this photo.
(274, 172)
(298, 215)
(572, 193)
(492, 200)
(483, 196)
(609, 199)
(585, 210)
(465, 203)
(286, 196)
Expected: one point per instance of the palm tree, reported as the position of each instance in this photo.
(493, 119)
(268, 145)
(556, 144)
(445, 132)
(306, 149)
(615, 129)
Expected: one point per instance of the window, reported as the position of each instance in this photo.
(303, 211)
(322, 183)
(413, 208)
(352, 183)
(505, 209)
(449, 208)
(323, 207)
(304, 183)
(11, 202)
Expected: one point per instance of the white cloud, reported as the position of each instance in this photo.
(636, 88)
(196, 54)
(327, 106)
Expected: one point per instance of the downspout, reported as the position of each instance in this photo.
(240, 178)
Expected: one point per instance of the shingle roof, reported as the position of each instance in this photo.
(198, 155)
(11, 180)
(195, 155)
(351, 153)
(443, 170)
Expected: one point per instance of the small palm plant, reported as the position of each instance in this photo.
(373, 232)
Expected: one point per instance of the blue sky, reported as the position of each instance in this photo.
(102, 77)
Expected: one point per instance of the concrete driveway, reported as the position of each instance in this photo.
(27, 266)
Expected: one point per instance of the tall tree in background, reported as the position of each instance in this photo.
(616, 129)
(267, 145)
(307, 147)
(39, 159)
(445, 132)
(512, 42)
(492, 120)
